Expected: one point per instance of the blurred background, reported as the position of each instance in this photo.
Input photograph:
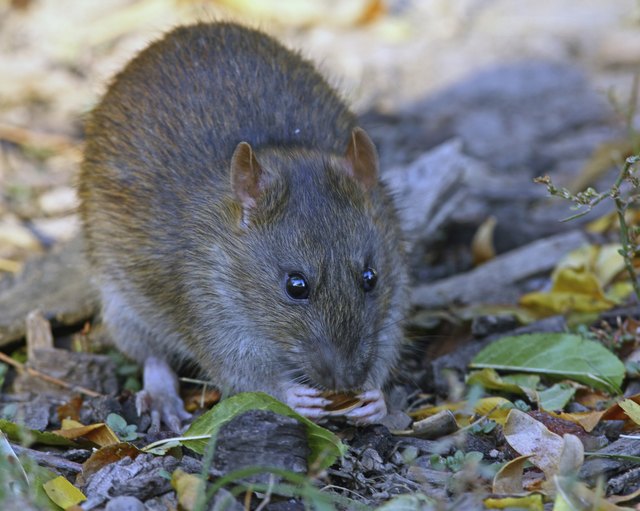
(390, 58)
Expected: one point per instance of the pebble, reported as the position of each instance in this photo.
(124, 503)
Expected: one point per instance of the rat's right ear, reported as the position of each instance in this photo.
(246, 178)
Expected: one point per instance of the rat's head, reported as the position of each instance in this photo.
(322, 266)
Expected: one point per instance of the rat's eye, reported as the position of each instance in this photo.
(297, 286)
(369, 279)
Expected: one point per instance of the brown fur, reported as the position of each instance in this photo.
(188, 270)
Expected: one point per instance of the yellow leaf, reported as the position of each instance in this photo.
(482, 249)
(530, 502)
(187, 487)
(572, 290)
(578, 283)
(492, 407)
(71, 424)
(619, 291)
(608, 263)
(588, 420)
(63, 493)
(632, 409)
(490, 379)
(100, 434)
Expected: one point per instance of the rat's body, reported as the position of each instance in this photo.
(203, 246)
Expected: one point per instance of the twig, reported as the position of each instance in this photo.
(48, 459)
(33, 372)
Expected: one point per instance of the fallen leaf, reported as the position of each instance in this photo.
(572, 290)
(488, 378)
(632, 409)
(616, 412)
(187, 487)
(508, 480)
(482, 249)
(555, 397)
(19, 433)
(572, 455)
(578, 282)
(99, 433)
(63, 493)
(587, 420)
(107, 455)
(70, 409)
(495, 408)
(529, 437)
(530, 502)
(552, 354)
(324, 445)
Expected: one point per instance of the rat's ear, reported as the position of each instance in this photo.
(246, 177)
(362, 158)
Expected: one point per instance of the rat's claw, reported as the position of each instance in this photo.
(306, 401)
(160, 396)
(372, 411)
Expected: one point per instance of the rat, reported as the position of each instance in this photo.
(235, 222)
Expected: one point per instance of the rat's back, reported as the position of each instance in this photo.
(190, 98)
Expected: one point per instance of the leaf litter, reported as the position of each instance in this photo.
(504, 417)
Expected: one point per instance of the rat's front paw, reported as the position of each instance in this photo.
(306, 401)
(373, 410)
(160, 396)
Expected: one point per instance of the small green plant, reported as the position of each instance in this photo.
(518, 404)
(126, 432)
(456, 462)
(623, 192)
(483, 427)
(586, 200)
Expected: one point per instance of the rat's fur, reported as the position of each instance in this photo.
(182, 276)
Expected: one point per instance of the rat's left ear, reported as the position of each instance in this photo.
(247, 178)
(362, 158)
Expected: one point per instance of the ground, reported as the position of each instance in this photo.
(467, 101)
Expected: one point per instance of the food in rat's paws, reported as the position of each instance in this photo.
(341, 402)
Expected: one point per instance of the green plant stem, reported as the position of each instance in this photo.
(627, 250)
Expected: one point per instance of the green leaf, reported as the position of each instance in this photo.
(555, 397)
(325, 446)
(522, 384)
(559, 355)
(18, 433)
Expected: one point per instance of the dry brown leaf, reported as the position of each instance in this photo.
(99, 434)
(70, 409)
(508, 480)
(107, 455)
(546, 450)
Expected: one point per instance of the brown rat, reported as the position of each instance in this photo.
(235, 221)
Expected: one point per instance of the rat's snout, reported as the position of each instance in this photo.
(337, 371)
